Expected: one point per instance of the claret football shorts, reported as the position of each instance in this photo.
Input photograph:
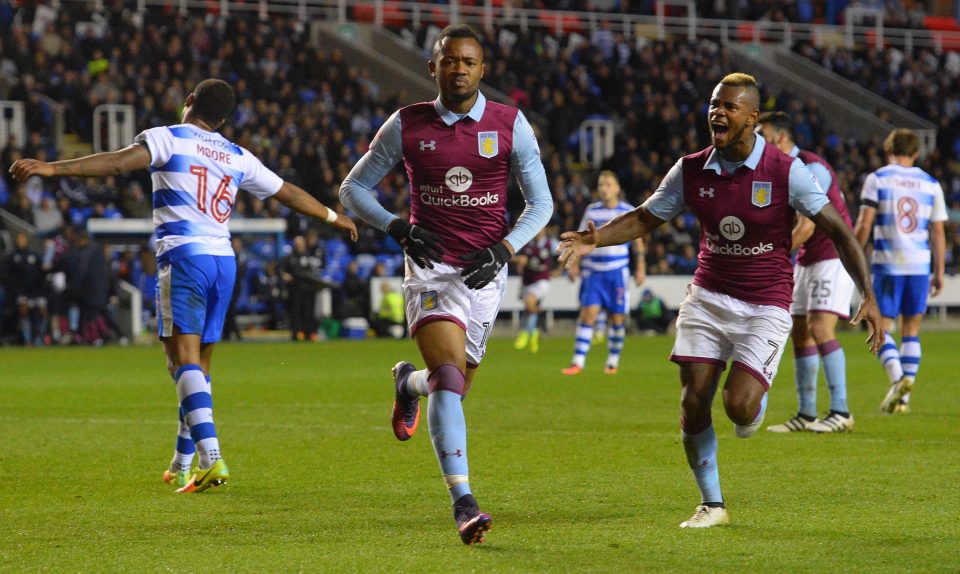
(716, 328)
(439, 294)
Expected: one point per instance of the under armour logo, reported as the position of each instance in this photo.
(456, 453)
(703, 192)
(431, 145)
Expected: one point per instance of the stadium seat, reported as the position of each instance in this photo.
(567, 22)
(393, 15)
(944, 23)
(439, 17)
(364, 13)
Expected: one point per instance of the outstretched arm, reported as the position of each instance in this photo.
(302, 202)
(622, 229)
(128, 159)
(854, 261)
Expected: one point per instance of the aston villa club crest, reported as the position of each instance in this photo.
(428, 300)
(762, 193)
(489, 144)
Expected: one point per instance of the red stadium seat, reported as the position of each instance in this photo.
(949, 40)
(364, 12)
(439, 17)
(946, 23)
(568, 22)
(872, 40)
(393, 15)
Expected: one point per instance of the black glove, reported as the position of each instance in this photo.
(486, 264)
(421, 245)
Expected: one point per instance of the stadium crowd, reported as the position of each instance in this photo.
(310, 116)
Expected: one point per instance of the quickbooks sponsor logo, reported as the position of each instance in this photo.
(460, 200)
(737, 250)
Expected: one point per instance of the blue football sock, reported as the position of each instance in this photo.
(910, 355)
(531, 324)
(806, 365)
(615, 345)
(762, 409)
(184, 448)
(701, 452)
(600, 325)
(835, 370)
(193, 390)
(448, 429)
(890, 357)
(581, 345)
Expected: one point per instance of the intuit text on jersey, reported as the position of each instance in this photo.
(442, 200)
(735, 249)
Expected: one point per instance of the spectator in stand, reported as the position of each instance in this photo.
(25, 286)
(20, 205)
(390, 320)
(301, 274)
(651, 314)
(46, 216)
(352, 299)
(134, 203)
(686, 262)
(271, 292)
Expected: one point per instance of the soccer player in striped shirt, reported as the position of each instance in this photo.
(904, 207)
(605, 273)
(196, 175)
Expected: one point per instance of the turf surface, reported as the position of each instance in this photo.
(581, 474)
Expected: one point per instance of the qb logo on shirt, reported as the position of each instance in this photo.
(459, 179)
(732, 228)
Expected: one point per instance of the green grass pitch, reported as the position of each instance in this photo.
(582, 474)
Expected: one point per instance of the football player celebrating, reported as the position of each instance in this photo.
(745, 193)
(458, 151)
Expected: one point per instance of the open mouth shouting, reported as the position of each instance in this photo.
(720, 133)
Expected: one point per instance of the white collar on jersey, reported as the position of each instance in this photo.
(752, 161)
(795, 151)
(450, 118)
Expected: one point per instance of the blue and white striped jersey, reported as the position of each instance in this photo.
(196, 175)
(610, 257)
(907, 199)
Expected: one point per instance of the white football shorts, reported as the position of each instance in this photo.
(538, 289)
(824, 287)
(439, 294)
(715, 328)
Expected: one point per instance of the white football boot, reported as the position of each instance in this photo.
(707, 516)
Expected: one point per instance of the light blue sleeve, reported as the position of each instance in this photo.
(806, 195)
(667, 202)
(356, 191)
(822, 174)
(533, 184)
